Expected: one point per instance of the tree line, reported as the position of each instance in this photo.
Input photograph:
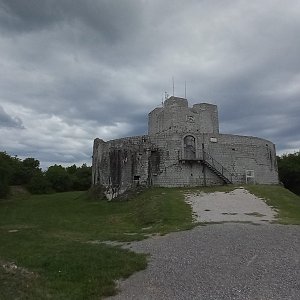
(289, 171)
(27, 172)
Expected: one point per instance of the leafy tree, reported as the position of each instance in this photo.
(19, 172)
(25, 170)
(71, 170)
(289, 171)
(83, 178)
(11, 166)
(39, 184)
(59, 179)
(14, 171)
(4, 175)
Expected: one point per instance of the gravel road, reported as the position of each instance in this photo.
(221, 261)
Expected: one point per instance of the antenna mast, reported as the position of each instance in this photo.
(173, 85)
(185, 89)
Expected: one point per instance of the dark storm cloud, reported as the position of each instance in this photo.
(76, 70)
(109, 19)
(8, 121)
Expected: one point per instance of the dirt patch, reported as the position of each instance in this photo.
(236, 206)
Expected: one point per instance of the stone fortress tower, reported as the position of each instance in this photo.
(183, 148)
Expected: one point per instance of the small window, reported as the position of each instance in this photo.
(190, 119)
(136, 177)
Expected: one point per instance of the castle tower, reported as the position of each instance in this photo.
(177, 116)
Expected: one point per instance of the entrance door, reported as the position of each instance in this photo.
(189, 147)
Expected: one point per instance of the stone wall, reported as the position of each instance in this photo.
(181, 141)
(176, 116)
(161, 160)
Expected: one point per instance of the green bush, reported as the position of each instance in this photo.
(39, 184)
(59, 179)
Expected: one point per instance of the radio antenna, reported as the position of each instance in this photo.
(185, 89)
(173, 85)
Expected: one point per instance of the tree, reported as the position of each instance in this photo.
(25, 170)
(14, 171)
(289, 171)
(59, 178)
(83, 178)
(4, 175)
(10, 166)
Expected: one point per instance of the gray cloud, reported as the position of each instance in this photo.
(78, 70)
(8, 121)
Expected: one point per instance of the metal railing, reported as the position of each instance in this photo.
(217, 166)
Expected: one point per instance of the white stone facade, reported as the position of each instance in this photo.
(183, 148)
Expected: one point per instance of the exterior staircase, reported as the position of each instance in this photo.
(211, 164)
(216, 168)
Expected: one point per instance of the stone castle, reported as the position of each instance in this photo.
(183, 148)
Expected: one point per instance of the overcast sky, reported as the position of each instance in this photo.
(71, 71)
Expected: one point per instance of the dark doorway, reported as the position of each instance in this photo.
(189, 147)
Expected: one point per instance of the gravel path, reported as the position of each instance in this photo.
(238, 205)
(221, 261)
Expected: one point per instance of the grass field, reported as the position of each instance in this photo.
(50, 245)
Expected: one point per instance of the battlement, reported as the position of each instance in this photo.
(177, 116)
(176, 102)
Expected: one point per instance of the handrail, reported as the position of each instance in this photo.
(218, 166)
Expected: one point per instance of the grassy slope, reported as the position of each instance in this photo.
(48, 236)
(286, 202)
(51, 245)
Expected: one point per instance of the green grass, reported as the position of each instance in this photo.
(50, 245)
(47, 239)
(286, 202)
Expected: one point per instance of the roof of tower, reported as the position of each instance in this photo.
(176, 101)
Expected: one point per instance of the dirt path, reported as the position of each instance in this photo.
(228, 261)
(236, 206)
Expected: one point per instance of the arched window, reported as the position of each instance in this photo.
(189, 147)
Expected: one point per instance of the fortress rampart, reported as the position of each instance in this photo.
(183, 148)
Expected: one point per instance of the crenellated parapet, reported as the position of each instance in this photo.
(176, 116)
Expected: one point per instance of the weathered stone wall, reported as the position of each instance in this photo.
(241, 153)
(160, 161)
(236, 153)
(121, 164)
(173, 153)
(176, 116)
